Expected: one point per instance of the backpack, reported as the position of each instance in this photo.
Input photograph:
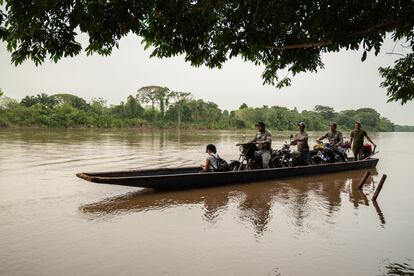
(222, 165)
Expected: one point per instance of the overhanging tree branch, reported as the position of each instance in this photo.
(210, 32)
(384, 27)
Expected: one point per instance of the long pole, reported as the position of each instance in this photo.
(379, 187)
(361, 184)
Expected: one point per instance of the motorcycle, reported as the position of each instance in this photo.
(343, 149)
(282, 157)
(285, 157)
(247, 159)
(324, 153)
(328, 153)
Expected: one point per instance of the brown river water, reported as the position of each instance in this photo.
(52, 223)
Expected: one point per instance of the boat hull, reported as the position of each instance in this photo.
(192, 177)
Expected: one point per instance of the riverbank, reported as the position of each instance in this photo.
(185, 127)
(70, 111)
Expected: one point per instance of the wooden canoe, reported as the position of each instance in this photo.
(193, 177)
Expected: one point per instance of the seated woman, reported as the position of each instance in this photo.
(213, 159)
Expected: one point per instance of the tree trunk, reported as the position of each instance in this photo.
(162, 107)
(179, 115)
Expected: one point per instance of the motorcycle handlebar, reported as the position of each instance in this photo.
(240, 144)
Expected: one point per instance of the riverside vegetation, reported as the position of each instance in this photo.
(159, 107)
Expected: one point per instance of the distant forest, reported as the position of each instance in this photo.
(159, 107)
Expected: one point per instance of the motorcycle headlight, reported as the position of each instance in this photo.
(241, 149)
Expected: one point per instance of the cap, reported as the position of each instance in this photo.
(358, 122)
(302, 124)
(211, 147)
(333, 124)
(260, 124)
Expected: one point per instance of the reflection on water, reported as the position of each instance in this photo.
(52, 223)
(321, 194)
(398, 269)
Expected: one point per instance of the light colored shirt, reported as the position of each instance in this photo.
(334, 137)
(263, 136)
(214, 161)
(301, 139)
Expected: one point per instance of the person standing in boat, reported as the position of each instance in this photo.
(263, 139)
(334, 136)
(357, 140)
(301, 141)
(213, 159)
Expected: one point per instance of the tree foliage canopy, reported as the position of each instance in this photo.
(67, 110)
(287, 35)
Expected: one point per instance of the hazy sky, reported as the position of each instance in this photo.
(345, 83)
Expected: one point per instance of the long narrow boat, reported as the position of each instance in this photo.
(193, 177)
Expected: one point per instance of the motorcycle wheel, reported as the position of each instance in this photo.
(234, 166)
(286, 163)
(312, 162)
(275, 163)
(316, 160)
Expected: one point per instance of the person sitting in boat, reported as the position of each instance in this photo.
(357, 141)
(334, 136)
(213, 161)
(263, 140)
(301, 141)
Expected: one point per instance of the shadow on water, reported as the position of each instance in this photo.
(299, 198)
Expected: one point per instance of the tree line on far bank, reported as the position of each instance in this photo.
(159, 107)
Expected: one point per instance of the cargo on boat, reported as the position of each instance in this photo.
(194, 177)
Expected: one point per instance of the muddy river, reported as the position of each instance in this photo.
(52, 223)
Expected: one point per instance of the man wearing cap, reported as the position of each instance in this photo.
(357, 140)
(263, 139)
(301, 140)
(334, 136)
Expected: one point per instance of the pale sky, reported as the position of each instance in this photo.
(345, 83)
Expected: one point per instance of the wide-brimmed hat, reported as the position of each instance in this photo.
(301, 124)
(358, 122)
